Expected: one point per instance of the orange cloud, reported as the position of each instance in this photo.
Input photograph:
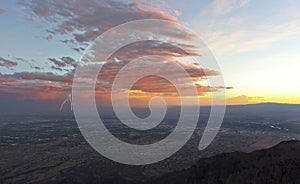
(83, 21)
(244, 99)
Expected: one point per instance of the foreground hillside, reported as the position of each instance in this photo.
(279, 164)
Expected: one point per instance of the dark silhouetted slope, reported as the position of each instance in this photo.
(279, 164)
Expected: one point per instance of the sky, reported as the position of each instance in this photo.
(255, 42)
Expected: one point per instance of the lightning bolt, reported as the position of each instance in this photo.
(68, 98)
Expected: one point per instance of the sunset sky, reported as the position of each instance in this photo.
(256, 43)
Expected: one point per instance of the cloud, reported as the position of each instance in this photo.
(2, 11)
(57, 62)
(7, 63)
(64, 63)
(19, 59)
(244, 99)
(11, 64)
(83, 21)
(86, 20)
(244, 40)
(31, 76)
(80, 22)
(151, 85)
(78, 49)
(148, 48)
(49, 37)
(35, 83)
(221, 7)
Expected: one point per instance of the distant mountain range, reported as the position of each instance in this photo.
(46, 107)
(277, 165)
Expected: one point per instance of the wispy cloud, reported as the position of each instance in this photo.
(221, 7)
(244, 99)
(244, 40)
(7, 63)
(2, 11)
(86, 20)
(64, 63)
